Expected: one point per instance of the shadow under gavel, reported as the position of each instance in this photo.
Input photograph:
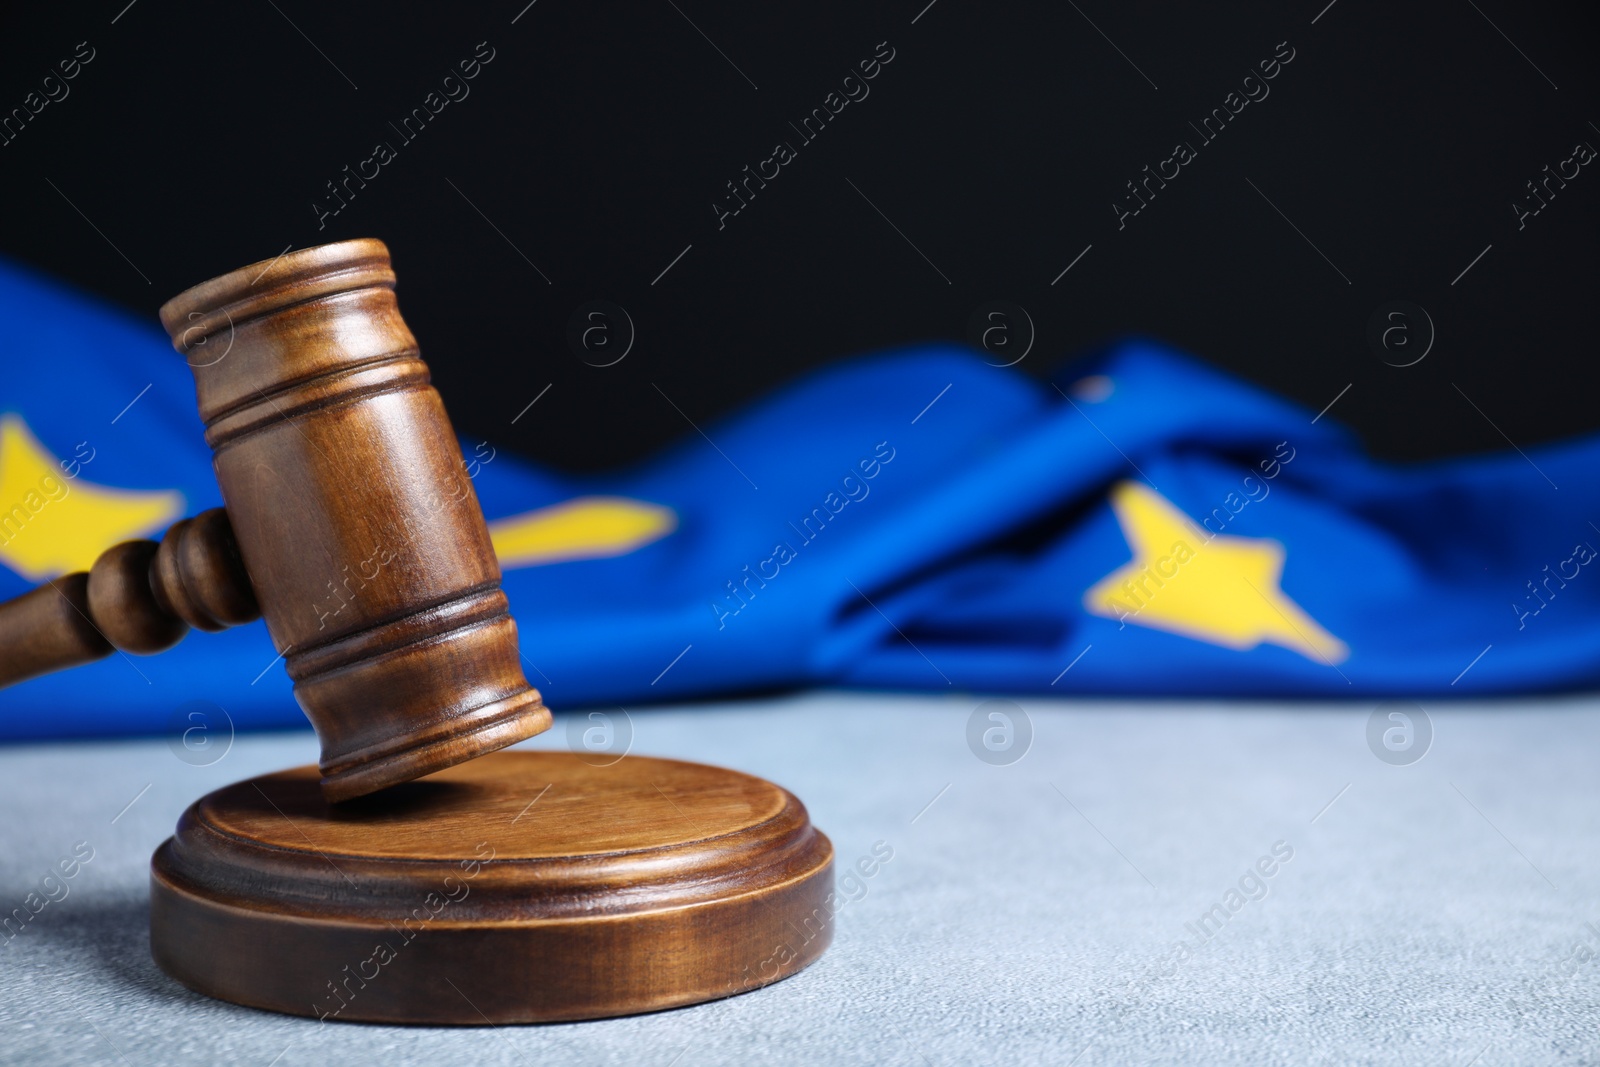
(343, 485)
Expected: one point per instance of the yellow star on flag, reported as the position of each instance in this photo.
(587, 527)
(1216, 588)
(51, 524)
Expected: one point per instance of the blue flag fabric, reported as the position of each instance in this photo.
(1141, 525)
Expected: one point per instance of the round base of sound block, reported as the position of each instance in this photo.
(520, 887)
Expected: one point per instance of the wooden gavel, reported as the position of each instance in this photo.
(343, 484)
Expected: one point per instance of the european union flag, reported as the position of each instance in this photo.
(918, 520)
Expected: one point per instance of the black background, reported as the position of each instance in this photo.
(596, 141)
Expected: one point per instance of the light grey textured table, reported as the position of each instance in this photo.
(1431, 913)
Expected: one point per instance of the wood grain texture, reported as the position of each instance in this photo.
(354, 516)
(520, 887)
(49, 629)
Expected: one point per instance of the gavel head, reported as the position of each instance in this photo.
(354, 516)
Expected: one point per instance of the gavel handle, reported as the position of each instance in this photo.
(140, 597)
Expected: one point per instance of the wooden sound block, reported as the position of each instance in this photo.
(519, 887)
